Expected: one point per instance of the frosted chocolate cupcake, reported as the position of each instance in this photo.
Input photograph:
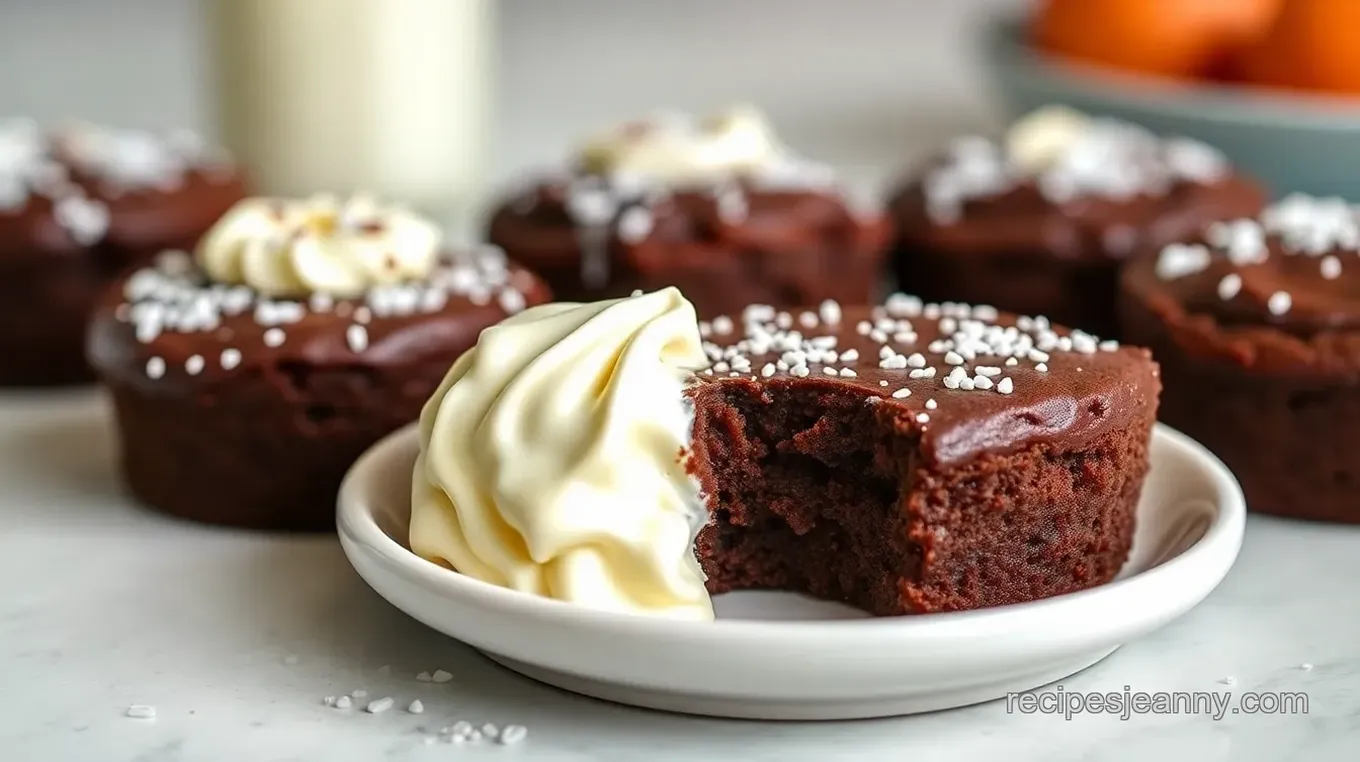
(76, 207)
(247, 378)
(717, 207)
(1040, 221)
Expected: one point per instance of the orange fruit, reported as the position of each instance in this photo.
(1175, 38)
(1310, 46)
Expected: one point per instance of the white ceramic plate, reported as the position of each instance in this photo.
(782, 656)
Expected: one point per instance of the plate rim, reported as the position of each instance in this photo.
(1217, 549)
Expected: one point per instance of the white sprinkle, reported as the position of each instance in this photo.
(1331, 267)
(273, 337)
(357, 338)
(1229, 286)
(1229, 680)
(416, 707)
(922, 418)
(362, 315)
(953, 358)
(879, 335)
(321, 302)
(1012, 362)
(931, 404)
(1038, 356)
(141, 712)
(723, 324)
(801, 371)
(423, 677)
(850, 355)
(1041, 367)
(155, 368)
(489, 730)
(379, 706)
(863, 327)
(830, 312)
(440, 676)
(635, 224)
(902, 393)
(768, 370)
(847, 373)
(513, 734)
(1179, 260)
(916, 360)
(1005, 386)
(358, 693)
(987, 370)
(1279, 303)
(982, 382)
(344, 702)
(951, 382)
(511, 301)
(194, 365)
(1109, 346)
(1306, 667)
(828, 370)
(808, 320)
(883, 383)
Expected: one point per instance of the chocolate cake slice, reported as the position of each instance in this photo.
(915, 458)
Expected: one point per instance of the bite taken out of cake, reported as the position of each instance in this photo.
(1040, 220)
(248, 377)
(718, 207)
(907, 458)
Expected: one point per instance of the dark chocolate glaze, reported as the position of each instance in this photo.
(1317, 334)
(785, 246)
(318, 340)
(1080, 398)
(1024, 253)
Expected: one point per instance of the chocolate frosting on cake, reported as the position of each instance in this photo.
(120, 193)
(1278, 293)
(968, 379)
(165, 330)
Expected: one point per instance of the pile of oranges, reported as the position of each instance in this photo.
(1310, 45)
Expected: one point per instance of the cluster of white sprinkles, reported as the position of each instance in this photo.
(966, 336)
(458, 732)
(1326, 229)
(35, 163)
(1108, 158)
(172, 296)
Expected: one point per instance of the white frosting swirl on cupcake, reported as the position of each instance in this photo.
(550, 458)
(680, 150)
(287, 247)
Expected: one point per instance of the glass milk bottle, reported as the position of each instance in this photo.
(381, 96)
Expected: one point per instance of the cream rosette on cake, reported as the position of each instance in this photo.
(550, 458)
(287, 247)
(676, 149)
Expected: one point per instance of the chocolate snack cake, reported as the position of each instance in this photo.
(1255, 326)
(247, 382)
(76, 207)
(1040, 222)
(918, 458)
(717, 208)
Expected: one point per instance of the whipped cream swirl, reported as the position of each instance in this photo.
(550, 458)
(319, 245)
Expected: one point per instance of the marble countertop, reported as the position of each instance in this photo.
(236, 638)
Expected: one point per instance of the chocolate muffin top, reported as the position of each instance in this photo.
(1279, 292)
(1077, 187)
(118, 191)
(967, 378)
(671, 189)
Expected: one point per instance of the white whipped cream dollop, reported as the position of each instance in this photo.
(319, 245)
(550, 458)
(678, 149)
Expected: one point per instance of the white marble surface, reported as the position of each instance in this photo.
(235, 639)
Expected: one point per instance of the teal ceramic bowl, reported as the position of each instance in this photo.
(1291, 143)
